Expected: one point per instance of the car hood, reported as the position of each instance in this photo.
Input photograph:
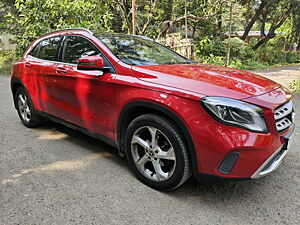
(207, 80)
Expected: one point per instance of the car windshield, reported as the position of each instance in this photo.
(134, 50)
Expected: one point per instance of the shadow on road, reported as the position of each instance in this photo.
(193, 188)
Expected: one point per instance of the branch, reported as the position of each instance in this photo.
(150, 18)
(253, 20)
(275, 25)
(126, 14)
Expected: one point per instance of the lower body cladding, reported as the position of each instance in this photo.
(229, 152)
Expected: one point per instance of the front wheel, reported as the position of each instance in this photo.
(26, 110)
(157, 153)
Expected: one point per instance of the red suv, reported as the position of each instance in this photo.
(171, 117)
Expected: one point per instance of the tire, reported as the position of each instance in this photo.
(25, 108)
(157, 153)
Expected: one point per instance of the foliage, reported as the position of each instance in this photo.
(295, 86)
(207, 47)
(36, 17)
(212, 51)
(6, 61)
(207, 20)
(238, 47)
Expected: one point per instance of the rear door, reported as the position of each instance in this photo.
(85, 97)
(42, 63)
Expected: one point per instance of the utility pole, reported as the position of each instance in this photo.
(229, 35)
(133, 16)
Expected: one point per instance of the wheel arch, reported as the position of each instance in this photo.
(137, 108)
(15, 84)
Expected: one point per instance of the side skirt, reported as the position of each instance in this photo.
(81, 129)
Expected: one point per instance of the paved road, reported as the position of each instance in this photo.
(54, 175)
(283, 75)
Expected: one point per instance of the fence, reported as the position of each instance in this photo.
(181, 45)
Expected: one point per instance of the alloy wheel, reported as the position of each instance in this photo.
(24, 108)
(153, 153)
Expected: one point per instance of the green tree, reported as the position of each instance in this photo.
(36, 17)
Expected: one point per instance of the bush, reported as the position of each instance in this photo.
(208, 47)
(214, 60)
(6, 61)
(243, 56)
(238, 47)
(295, 86)
(292, 57)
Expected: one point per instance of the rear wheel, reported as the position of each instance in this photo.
(157, 153)
(25, 108)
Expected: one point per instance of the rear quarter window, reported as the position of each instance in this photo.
(47, 49)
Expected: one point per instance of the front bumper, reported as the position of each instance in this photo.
(273, 162)
(256, 154)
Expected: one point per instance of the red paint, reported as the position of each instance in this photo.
(90, 62)
(95, 102)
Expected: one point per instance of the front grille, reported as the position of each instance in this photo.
(284, 116)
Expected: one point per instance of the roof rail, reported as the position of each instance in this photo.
(66, 29)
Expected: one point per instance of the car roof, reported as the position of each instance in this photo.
(97, 33)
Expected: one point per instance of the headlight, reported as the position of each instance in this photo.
(235, 113)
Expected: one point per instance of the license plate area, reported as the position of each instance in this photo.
(288, 138)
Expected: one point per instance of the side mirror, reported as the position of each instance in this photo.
(92, 63)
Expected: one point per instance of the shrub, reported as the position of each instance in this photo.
(292, 57)
(295, 85)
(215, 60)
(6, 61)
(238, 47)
(208, 47)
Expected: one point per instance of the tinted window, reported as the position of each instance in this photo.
(35, 51)
(140, 51)
(77, 47)
(47, 49)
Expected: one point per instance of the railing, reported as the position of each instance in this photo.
(187, 50)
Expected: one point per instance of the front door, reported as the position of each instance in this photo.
(85, 97)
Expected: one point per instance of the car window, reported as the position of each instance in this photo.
(47, 49)
(134, 50)
(77, 47)
(35, 51)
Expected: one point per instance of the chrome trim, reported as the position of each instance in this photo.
(283, 110)
(283, 124)
(261, 172)
(284, 116)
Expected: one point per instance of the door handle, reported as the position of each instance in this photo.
(27, 64)
(61, 70)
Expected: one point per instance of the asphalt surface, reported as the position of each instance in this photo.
(54, 175)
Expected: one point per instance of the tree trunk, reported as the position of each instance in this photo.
(264, 40)
(229, 36)
(253, 20)
(170, 10)
(219, 23)
(274, 27)
(133, 8)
